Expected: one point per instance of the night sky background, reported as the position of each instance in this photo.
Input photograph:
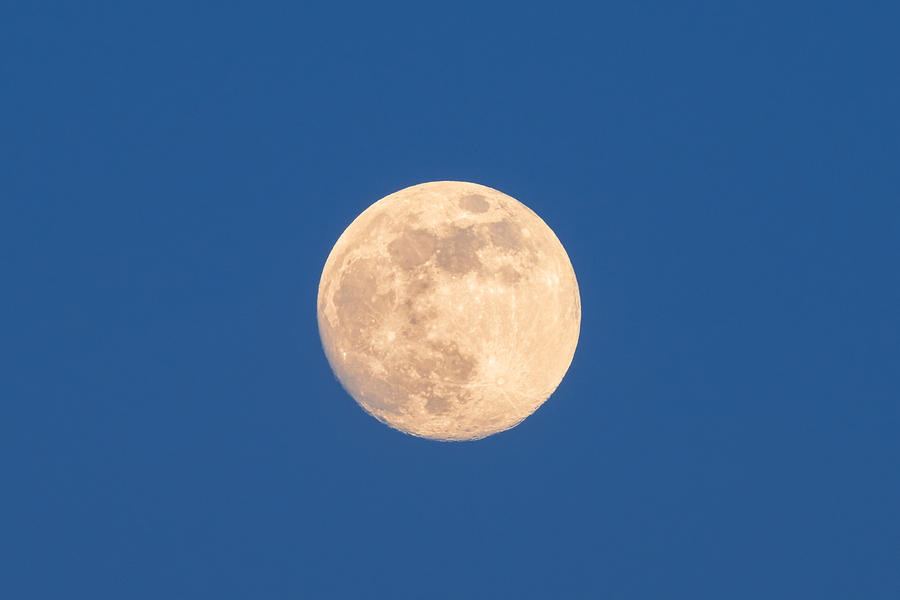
(723, 175)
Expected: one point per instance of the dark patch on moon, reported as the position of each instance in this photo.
(474, 203)
(443, 360)
(418, 286)
(437, 405)
(504, 234)
(457, 367)
(413, 248)
(416, 313)
(458, 251)
(359, 288)
(508, 276)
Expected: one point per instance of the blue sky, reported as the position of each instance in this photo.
(724, 179)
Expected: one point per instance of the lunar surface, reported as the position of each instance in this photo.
(449, 310)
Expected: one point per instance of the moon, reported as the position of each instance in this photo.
(449, 311)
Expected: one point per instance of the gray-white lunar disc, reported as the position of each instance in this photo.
(449, 310)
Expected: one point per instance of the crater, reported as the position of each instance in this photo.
(464, 397)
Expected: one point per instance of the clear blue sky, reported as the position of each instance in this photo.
(723, 175)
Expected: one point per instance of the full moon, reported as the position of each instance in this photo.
(449, 311)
